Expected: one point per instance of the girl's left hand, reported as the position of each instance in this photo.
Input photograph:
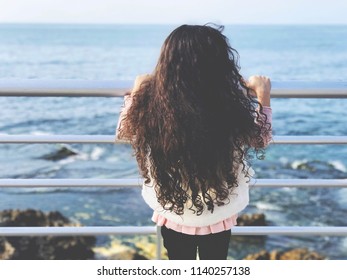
(138, 81)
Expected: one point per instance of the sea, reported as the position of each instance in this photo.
(121, 52)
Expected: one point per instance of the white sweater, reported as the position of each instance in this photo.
(238, 200)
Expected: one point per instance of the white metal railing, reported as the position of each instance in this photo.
(82, 231)
(46, 88)
(133, 183)
(75, 88)
(130, 230)
(110, 139)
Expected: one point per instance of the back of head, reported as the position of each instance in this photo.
(192, 121)
(197, 55)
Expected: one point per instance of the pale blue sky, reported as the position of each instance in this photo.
(176, 11)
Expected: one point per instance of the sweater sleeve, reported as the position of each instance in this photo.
(267, 128)
(120, 130)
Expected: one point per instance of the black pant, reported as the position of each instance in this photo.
(182, 246)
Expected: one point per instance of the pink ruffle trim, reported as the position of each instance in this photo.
(218, 227)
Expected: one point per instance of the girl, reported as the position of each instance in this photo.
(192, 125)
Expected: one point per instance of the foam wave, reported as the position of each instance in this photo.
(267, 206)
(342, 198)
(96, 153)
(304, 164)
(338, 165)
(344, 243)
(295, 164)
(39, 132)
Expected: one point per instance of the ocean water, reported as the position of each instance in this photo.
(120, 52)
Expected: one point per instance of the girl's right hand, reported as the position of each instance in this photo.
(261, 87)
(139, 80)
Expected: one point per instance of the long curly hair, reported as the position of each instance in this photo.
(194, 121)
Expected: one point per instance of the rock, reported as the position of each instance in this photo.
(6, 250)
(139, 247)
(301, 254)
(63, 152)
(292, 254)
(147, 247)
(262, 255)
(11, 218)
(45, 247)
(251, 220)
(316, 166)
(117, 250)
(302, 170)
(318, 169)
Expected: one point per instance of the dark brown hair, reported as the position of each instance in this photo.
(194, 121)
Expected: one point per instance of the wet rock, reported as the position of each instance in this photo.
(118, 250)
(262, 255)
(6, 250)
(292, 254)
(63, 152)
(15, 217)
(127, 254)
(301, 254)
(147, 247)
(251, 220)
(141, 247)
(302, 169)
(45, 247)
(316, 166)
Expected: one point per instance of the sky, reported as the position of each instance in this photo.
(175, 11)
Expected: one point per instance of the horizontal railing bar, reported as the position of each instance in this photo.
(110, 139)
(85, 139)
(315, 139)
(292, 230)
(116, 183)
(59, 231)
(146, 230)
(108, 88)
(113, 183)
(70, 88)
(299, 183)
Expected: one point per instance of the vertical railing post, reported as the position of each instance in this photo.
(159, 242)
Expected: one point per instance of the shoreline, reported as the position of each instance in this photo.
(134, 246)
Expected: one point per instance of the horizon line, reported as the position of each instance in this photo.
(167, 24)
